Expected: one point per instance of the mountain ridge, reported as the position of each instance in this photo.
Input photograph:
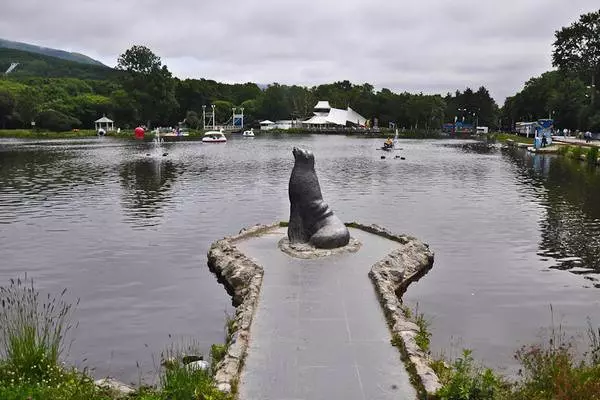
(51, 52)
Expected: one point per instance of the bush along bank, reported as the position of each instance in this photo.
(551, 370)
(33, 329)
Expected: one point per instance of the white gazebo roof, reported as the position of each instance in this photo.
(266, 122)
(104, 120)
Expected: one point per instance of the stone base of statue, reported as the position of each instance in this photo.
(307, 251)
(318, 307)
(317, 310)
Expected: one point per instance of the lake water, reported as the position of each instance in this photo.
(127, 233)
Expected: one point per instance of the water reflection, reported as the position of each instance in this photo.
(570, 227)
(46, 182)
(147, 186)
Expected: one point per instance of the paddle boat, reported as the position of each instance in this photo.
(214, 137)
(249, 133)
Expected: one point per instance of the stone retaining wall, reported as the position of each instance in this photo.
(242, 278)
(391, 276)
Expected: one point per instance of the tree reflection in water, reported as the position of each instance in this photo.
(147, 187)
(570, 228)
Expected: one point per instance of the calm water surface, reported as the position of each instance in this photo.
(127, 233)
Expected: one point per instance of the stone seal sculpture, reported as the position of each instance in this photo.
(311, 219)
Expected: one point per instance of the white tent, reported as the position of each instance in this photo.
(105, 123)
(326, 115)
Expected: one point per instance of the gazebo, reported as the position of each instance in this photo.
(104, 123)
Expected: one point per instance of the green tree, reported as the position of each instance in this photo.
(27, 105)
(140, 60)
(56, 121)
(577, 48)
(223, 111)
(150, 85)
(192, 120)
(7, 106)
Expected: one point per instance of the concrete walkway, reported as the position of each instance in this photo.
(319, 331)
(575, 141)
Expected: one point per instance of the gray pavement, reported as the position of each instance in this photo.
(319, 331)
(573, 140)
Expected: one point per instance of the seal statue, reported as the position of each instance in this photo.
(311, 219)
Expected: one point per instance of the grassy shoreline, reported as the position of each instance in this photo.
(33, 328)
(550, 370)
(33, 331)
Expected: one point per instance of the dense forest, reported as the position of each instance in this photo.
(60, 95)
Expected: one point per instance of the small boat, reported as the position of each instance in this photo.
(249, 133)
(214, 137)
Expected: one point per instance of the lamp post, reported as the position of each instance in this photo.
(462, 111)
(213, 116)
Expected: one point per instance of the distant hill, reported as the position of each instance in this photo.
(65, 55)
(35, 64)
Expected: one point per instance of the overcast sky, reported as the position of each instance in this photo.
(434, 46)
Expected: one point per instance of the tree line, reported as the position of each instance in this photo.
(141, 90)
(568, 94)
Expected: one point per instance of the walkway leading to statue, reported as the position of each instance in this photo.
(319, 331)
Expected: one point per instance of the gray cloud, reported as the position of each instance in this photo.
(434, 46)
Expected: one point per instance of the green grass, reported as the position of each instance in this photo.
(39, 134)
(503, 137)
(549, 371)
(33, 331)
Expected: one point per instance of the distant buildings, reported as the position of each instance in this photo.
(324, 117)
(267, 125)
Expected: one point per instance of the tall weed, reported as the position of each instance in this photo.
(32, 328)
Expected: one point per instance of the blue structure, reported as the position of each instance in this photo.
(543, 129)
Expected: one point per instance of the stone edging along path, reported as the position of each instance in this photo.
(242, 278)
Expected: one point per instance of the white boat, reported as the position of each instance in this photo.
(249, 133)
(214, 137)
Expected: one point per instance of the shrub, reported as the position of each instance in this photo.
(56, 121)
(423, 337)
(551, 372)
(577, 152)
(564, 150)
(592, 155)
(462, 380)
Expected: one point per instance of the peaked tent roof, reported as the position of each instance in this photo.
(322, 105)
(337, 116)
(104, 120)
(266, 122)
(353, 116)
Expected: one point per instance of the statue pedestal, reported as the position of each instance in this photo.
(306, 251)
(321, 327)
